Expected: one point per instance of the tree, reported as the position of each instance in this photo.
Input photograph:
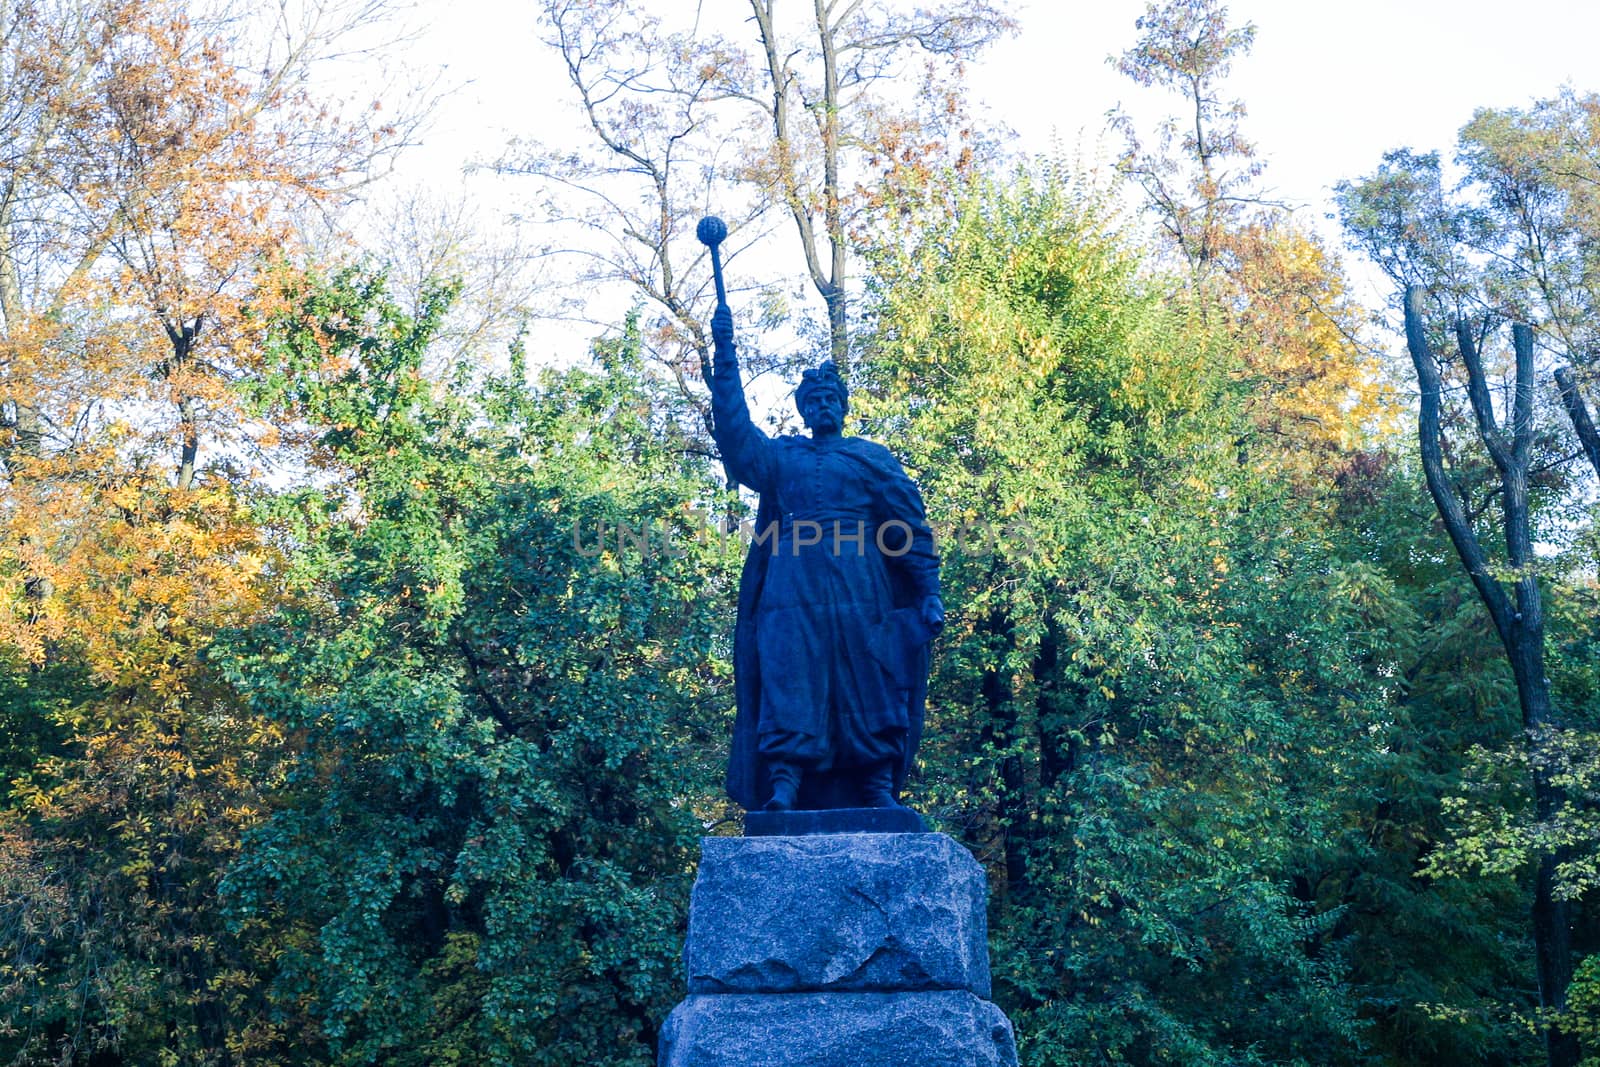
(1516, 239)
(1152, 647)
(155, 158)
(150, 174)
(649, 97)
(800, 120)
(506, 690)
(850, 47)
(150, 194)
(1280, 291)
(1518, 618)
(1440, 966)
(1199, 180)
(1538, 170)
(1489, 252)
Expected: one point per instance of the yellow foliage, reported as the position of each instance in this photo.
(158, 170)
(1316, 392)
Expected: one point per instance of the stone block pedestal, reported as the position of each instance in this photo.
(837, 949)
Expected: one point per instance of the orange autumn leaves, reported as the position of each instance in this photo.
(155, 168)
(133, 577)
(148, 206)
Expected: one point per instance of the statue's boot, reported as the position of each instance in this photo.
(877, 788)
(785, 786)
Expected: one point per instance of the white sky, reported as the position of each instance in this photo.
(1329, 86)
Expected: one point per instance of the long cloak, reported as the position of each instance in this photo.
(900, 643)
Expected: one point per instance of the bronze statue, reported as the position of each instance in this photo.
(838, 601)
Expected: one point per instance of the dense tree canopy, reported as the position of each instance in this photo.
(1159, 631)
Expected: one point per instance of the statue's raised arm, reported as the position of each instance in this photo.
(746, 450)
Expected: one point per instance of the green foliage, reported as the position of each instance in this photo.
(113, 941)
(1512, 241)
(1583, 1007)
(1439, 968)
(1495, 830)
(33, 703)
(1152, 707)
(506, 715)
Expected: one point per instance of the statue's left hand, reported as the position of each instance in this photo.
(933, 612)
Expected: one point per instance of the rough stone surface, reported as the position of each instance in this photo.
(833, 821)
(935, 1029)
(839, 912)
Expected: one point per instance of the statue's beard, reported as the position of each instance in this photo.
(823, 423)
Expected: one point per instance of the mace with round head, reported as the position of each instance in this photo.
(712, 231)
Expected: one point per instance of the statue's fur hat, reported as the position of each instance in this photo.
(823, 377)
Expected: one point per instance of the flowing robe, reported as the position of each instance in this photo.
(830, 654)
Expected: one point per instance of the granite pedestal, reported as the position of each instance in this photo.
(837, 949)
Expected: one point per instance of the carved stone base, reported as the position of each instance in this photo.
(837, 912)
(848, 949)
(951, 1028)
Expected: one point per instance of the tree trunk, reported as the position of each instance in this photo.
(838, 337)
(1000, 732)
(1520, 623)
(832, 289)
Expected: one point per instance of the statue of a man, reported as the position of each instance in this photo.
(837, 604)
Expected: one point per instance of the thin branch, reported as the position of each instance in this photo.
(1578, 412)
(1478, 392)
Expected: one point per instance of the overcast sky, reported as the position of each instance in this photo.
(1328, 86)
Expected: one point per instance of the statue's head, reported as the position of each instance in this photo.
(822, 399)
